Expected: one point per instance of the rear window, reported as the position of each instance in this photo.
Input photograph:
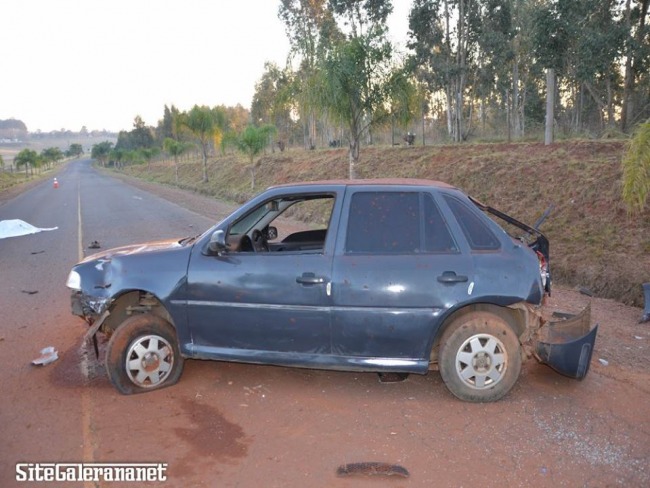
(397, 223)
(478, 234)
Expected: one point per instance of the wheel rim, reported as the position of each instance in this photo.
(149, 361)
(481, 361)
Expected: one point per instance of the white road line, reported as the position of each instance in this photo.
(86, 403)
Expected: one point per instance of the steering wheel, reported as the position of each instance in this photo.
(259, 242)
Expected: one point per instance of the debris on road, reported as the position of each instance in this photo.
(372, 469)
(604, 362)
(30, 292)
(94, 245)
(38, 252)
(48, 355)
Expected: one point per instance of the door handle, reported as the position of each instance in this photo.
(310, 279)
(451, 277)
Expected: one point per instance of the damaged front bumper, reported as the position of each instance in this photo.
(88, 306)
(567, 344)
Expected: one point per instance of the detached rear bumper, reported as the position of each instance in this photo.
(567, 344)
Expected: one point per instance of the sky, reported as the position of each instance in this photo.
(99, 63)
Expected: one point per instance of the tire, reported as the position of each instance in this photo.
(143, 355)
(480, 357)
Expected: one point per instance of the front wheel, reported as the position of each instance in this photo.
(480, 357)
(143, 355)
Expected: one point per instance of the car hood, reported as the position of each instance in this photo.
(145, 247)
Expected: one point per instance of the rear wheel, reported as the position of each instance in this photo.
(143, 355)
(480, 357)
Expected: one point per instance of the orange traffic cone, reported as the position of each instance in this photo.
(56, 183)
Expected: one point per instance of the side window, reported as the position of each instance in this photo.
(478, 234)
(437, 237)
(384, 223)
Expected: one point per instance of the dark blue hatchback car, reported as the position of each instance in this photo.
(387, 276)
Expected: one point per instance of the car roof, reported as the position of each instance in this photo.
(371, 181)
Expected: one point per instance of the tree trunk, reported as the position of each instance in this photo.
(205, 164)
(514, 112)
(354, 157)
(450, 103)
(550, 106)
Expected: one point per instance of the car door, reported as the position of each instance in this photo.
(397, 267)
(270, 307)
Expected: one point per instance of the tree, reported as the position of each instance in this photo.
(205, 124)
(354, 84)
(272, 99)
(637, 57)
(51, 155)
(101, 152)
(311, 29)
(27, 158)
(140, 137)
(149, 153)
(75, 150)
(444, 37)
(252, 142)
(175, 148)
(636, 169)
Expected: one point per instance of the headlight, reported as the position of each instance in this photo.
(74, 281)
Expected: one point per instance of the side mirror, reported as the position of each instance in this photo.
(217, 242)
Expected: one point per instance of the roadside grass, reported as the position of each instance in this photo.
(594, 242)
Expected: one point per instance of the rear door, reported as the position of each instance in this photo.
(396, 268)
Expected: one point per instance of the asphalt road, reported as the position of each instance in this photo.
(233, 425)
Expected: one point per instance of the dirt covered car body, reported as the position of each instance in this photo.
(365, 275)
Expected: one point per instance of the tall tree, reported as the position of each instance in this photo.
(443, 35)
(27, 158)
(205, 124)
(355, 76)
(175, 148)
(101, 151)
(272, 99)
(355, 83)
(51, 155)
(311, 30)
(637, 58)
(252, 142)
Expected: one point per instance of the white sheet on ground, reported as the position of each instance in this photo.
(17, 227)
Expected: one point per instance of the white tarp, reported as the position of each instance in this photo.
(16, 227)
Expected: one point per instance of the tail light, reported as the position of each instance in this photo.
(544, 272)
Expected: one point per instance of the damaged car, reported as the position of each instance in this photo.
(385, 276)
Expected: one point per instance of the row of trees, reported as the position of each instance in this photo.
(472, 66)
(203, 129)
(30, 159)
